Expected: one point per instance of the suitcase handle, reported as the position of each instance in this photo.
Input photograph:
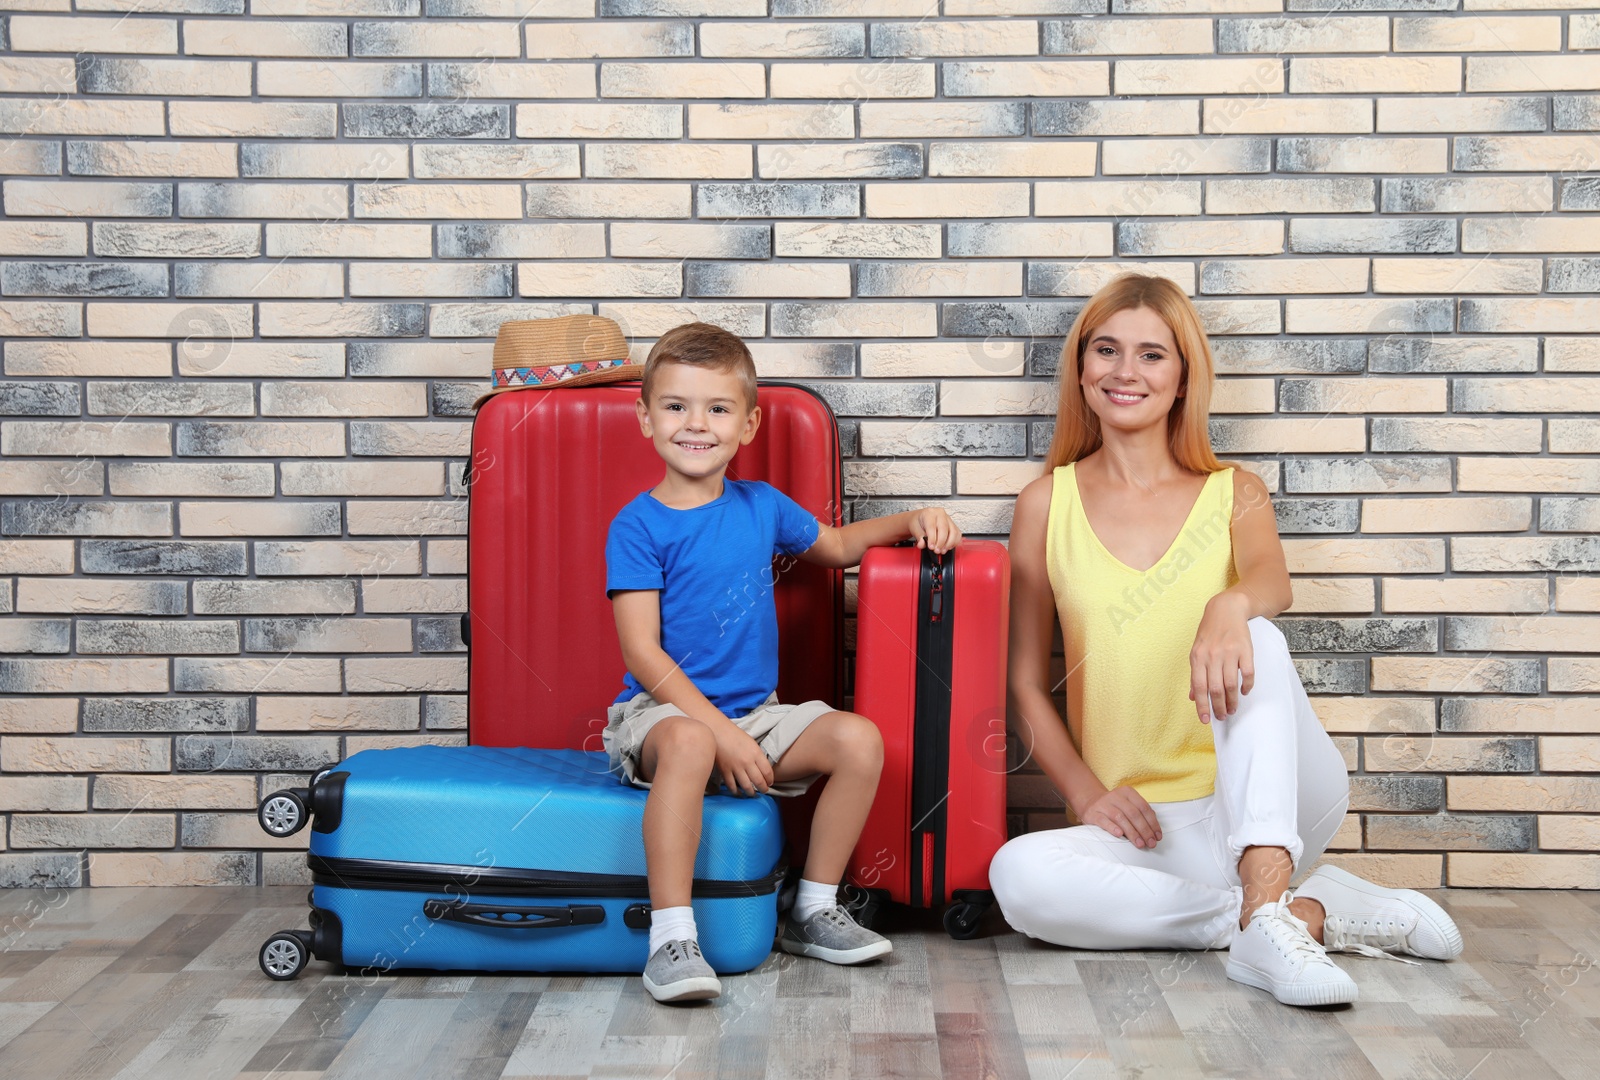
(513, 918)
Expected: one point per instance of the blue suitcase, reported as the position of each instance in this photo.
(489, 859)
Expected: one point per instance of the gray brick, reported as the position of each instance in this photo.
(41, 871)
(849, 438)
(1361, 5)
(99, 637)
(443, 712)
(455, 398)
(1450, 832)
(1576, 112)
(207, 558)
(255, 753)
(1579, 193)
(146, 398)
(779, 200)
(1444, 194)
(1574, 275)
(1401, 353)
(68, 517)
(18, 636)
(1347, 235)
(482, 240)
(1044, 358)
(1397, 793)
(200, 438)
(943, 440)
(178, 714)
(1256, 356)
(1365, 474)
(1011, 319)
(1332, 676)
(39, 399)
(1360, 635)
(879, 399)
(83, 279)
(1569, 515)
(1318, 515)
(400, 121)
(1040, 436)
(435, 635)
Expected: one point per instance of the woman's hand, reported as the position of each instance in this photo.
(741, 761)
(932, 528)
(1123, 812)
(1221, 657)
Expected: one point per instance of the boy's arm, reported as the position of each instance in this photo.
(740, 759)
(931, 527)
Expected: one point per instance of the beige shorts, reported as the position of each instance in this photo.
(775, 727)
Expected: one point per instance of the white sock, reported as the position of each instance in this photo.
(671, 924)
(812, 897)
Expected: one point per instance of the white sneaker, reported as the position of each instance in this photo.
(1277, 953)
(1373, 921)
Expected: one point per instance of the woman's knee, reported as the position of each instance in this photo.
(1266, 638)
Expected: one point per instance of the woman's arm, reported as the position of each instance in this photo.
(845, 547)
(1222, 655)
(1033, 621)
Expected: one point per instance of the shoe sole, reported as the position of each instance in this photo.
(1314, 994)
(858, 955)
(1436, 917)
(697, 988)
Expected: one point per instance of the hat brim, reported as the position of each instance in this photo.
(619, 374)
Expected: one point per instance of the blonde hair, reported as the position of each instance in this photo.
(701, 344)
(1077, 433)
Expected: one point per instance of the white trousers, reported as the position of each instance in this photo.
(1280, 783)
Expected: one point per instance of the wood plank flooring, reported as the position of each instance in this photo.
(163, 984)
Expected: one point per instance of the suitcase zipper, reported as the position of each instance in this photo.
(930, 766)
(504, 881)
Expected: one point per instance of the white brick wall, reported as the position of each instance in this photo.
(253, 254)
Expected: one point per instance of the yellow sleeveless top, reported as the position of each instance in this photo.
(1128, 634)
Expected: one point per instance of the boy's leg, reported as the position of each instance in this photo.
(848, 749)
(675, 758)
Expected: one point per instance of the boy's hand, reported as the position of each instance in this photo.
(741, 761)
(932, 528)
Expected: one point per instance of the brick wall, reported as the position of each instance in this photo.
(255, 251)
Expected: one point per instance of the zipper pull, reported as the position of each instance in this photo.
(936, 607)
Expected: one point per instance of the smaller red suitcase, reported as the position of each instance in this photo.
(930, 672)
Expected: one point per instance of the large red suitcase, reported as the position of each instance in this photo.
(930, 671)
(550, 468)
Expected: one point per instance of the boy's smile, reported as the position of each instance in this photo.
(697, 418)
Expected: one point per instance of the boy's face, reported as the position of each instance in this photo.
(697, 418)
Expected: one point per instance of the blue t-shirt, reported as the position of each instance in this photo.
(713, 567)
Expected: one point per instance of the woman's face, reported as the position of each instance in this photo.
(1132, 373)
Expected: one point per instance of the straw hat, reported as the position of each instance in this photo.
(570, 350)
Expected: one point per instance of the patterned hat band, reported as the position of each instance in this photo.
(570, 350)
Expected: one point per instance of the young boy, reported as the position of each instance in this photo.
(689, 573)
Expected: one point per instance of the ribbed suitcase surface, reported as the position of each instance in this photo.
(490, 859)
(930, 672)
(550, 469)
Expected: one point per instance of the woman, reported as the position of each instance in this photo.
(1163, 566)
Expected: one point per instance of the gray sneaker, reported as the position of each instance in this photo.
(677, 972)
(832, 935)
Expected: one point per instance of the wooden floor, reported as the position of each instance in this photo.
(163, 983)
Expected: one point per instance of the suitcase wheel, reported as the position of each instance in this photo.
(961, 918)
(864, 905)
(283, 813)
(284, 955)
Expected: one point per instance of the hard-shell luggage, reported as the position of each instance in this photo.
(930, 672)
(550, 468)
(486, 859)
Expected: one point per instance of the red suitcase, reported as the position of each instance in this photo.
(930, 671)
(550, 468)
